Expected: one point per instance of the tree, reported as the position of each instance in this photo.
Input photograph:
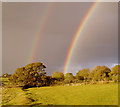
(29, 75)
(114, 73)
(69, 78)
(83, 74)
(58, 75)
(37, 67)
(100, 73)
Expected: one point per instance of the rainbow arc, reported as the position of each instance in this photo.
(77, 36)
(42, 24)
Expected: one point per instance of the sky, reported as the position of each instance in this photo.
(97, 44)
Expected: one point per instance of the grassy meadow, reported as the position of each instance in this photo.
(96, 94)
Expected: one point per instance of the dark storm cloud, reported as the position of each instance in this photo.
(98, 42)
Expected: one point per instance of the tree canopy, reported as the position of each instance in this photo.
(30, 75)
(69, 77)
(100, 73)
(58, 75)
(115, 73)
(34, 74)
(83, 74)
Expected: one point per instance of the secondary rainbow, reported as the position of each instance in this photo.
(77, 35)
(42, 24)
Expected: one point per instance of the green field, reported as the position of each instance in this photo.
(97, 94)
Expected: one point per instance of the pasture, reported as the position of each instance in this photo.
(96, 94)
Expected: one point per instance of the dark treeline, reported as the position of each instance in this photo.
(34, 75)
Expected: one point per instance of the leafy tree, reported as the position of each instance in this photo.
(114, 73)
(100, 73)
(69, 78)
(31, 75)
(58, 75)
(83, 74)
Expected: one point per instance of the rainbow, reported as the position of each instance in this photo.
(77, 35)
(42, 24)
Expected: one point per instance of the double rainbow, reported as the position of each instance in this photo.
(75, 39)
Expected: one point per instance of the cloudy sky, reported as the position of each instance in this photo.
(21, 24)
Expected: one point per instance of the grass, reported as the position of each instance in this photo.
(98, 94)
(14, 96)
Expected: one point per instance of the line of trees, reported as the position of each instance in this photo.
(99, 73)
(34, 74)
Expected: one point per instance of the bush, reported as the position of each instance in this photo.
(67, 81)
